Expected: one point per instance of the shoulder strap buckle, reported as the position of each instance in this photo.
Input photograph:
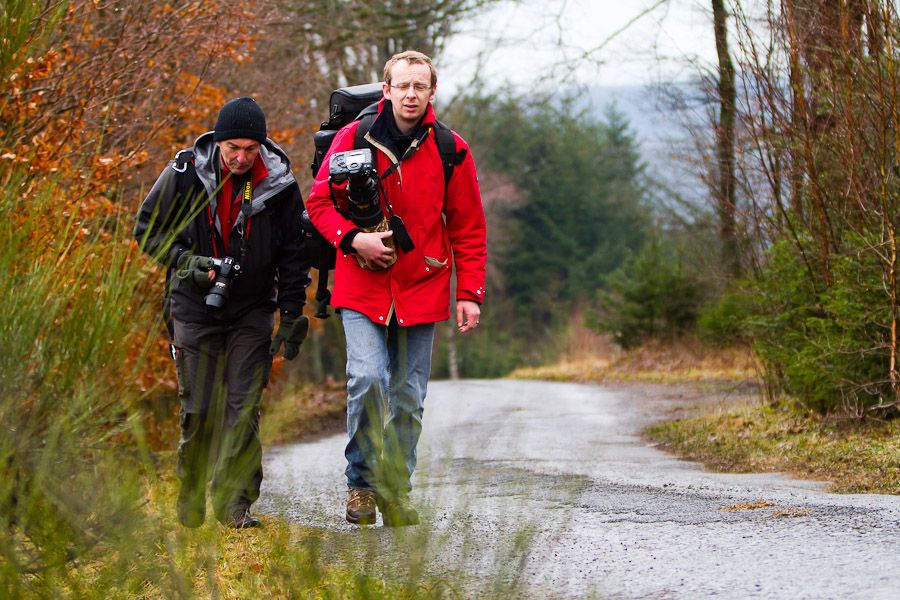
(182, 159)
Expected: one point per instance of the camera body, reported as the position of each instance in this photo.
(351, 164)
(227, 270)
(357, 167)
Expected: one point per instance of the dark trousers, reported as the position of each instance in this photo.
(222, 370)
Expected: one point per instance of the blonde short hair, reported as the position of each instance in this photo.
(412, 57)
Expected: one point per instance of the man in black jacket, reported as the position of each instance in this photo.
(224, 218)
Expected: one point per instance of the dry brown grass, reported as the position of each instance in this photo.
(594, 357)
(304, 411)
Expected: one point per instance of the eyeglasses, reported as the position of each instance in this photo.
(404, 87)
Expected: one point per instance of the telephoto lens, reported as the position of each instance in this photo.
(364, 207)
(358, 169)
(226, 271)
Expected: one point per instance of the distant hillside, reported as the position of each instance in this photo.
(660, 131)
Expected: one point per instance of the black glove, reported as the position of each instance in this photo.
(193, 267)
(291, 331)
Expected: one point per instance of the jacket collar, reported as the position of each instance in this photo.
(380, 132)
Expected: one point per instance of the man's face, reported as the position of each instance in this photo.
(409, 103)
(239, 154)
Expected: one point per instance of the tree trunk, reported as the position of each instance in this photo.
(725, 143)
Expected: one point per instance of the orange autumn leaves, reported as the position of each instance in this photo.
(113, 87)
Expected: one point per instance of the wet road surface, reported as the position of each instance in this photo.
(549, 485)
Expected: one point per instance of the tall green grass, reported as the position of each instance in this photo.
(86, 508)
(67, 327)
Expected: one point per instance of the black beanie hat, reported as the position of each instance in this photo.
(241, 118)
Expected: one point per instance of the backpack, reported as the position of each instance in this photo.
(348, 104)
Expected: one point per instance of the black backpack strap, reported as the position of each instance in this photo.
(446, 144)
(185, 176)
(365, 124)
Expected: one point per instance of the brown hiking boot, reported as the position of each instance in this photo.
(360, 506)
(397, 512)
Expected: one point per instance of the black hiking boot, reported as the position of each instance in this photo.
(242, 519)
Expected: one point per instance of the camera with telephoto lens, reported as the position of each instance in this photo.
(227, 270)
(358, 169)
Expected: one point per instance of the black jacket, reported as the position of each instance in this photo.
(175, 217)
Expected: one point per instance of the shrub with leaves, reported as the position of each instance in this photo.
(724, 321)
(652, 295)
(828, 347)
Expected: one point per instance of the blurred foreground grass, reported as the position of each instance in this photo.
(279, 560)
(86, 501)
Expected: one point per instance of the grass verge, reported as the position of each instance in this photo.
(854, 456)
(303, 411)
(280, 560)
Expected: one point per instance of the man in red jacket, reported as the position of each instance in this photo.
(389, 299)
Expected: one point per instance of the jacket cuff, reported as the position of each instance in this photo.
(466, 295)
(175, 253)
(295, 309)
(347, 241)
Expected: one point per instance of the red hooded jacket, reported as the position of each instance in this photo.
(442, 227)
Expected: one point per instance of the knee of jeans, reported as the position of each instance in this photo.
(408, 403)
(362, 381)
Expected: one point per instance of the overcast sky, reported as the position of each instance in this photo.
(531, 38)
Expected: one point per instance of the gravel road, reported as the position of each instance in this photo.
(549, 486)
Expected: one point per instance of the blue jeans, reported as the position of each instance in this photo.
(386, 365)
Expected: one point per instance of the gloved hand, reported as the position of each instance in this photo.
(292, 331)
(193, 267)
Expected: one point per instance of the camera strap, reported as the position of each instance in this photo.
(243, 228)
(246, 209)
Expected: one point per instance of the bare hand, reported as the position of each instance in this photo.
(467, 315)
(371, 248)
